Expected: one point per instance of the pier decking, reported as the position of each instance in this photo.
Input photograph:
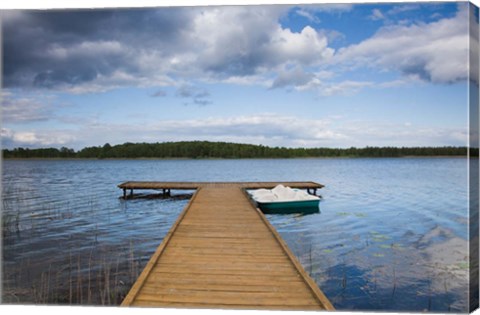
(167, 186)
(223, 253)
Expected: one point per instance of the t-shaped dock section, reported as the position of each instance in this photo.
(223, 253)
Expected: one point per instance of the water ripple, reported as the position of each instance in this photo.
(391, 233)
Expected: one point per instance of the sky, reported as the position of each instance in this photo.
(324, 75)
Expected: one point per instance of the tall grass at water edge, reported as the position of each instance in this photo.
(100, 275)
(99, 279)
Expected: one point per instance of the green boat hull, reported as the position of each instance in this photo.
(304, 206)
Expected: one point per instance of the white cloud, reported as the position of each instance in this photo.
(26, 107)
(399, 82)
(319, 84)
(266, 125)
(343, 88)
(6, 133)
(308, 15)
(369, 133)
(403, 8)
(117, 79)
(292, 77)
(307, 47)
(267, 129)
(90, 49)
(259, 80)
(240, 41)
(376, 15)
(45, 138)
(435, 52)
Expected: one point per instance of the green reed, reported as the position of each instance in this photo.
(102, 278)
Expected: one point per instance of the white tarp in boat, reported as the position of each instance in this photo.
(280, 194)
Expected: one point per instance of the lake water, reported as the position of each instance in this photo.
(391, 234)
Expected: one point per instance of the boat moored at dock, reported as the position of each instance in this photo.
(284, 200)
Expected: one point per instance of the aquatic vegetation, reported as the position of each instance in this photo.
(10, 223)
(10, 218)
(73, 264)
(104, 279)
(380, 238)
(463, 265)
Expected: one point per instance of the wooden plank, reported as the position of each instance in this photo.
(222, 229)
(201, 305)
(222, 235)
(218, 285)
(225, 265)
(225, 251)
(213, 224)
(237, 241)
(146, 271)
(227, 259)
(226, 299)
(272, 280)
(226, 284)
(205, 244)
(223, 221)
(236, 297)
(247, 250)
(198, 270)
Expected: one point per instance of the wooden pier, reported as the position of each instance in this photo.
(223, 253)
(165, 187)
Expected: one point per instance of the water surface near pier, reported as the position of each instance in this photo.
(391, 234)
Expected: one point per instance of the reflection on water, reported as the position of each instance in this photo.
(394, 244)
(375, 272)
(391, 233)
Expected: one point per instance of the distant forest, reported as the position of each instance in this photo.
(225, 150)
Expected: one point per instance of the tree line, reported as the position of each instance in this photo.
(226, 150)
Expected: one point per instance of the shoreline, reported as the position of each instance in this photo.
(254, 158)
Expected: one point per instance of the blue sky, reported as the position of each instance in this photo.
(297, 76)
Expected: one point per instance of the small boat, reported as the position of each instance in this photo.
(283, 200)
